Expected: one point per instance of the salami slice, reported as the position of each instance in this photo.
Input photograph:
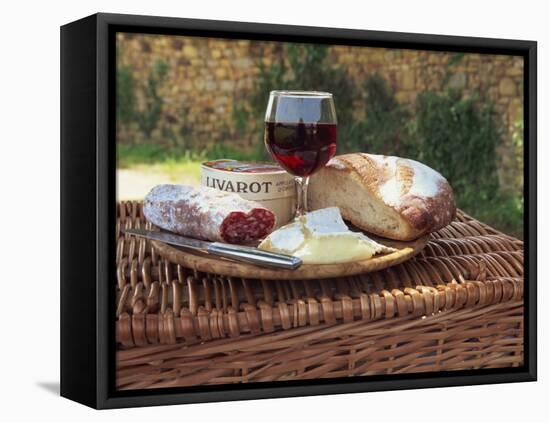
(207, 213)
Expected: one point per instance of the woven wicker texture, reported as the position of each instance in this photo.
(457, 305)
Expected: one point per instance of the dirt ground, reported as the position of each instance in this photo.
(134, 184)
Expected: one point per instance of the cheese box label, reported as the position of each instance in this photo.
(266, 183)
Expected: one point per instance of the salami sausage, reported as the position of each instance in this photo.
(207, 213)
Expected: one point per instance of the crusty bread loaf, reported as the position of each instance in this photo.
(388, 196)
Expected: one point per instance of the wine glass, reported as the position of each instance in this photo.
(300, 134)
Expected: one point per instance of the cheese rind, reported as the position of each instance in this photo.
(322, 237)
(288, 238)
(324, 221)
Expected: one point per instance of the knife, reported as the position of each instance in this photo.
(235, 252)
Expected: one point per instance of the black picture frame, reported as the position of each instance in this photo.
(88, 212)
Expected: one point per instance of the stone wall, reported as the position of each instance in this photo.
(207, 77)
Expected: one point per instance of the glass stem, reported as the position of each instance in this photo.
(301, 195)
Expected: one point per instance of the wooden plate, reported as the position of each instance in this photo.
(221, 266)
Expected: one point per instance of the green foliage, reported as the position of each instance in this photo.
(131, 155)
(125, 95)
(458, 136)
(385, 129)
(455, 59)
(502, 210)
(146, 154)
(455, 134)
(269, 78)
(240, 119)
(225, 151)
(148, 118)
(517, 141)
(311, 70)
(127, 111)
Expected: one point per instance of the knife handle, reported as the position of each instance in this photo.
(254, 256)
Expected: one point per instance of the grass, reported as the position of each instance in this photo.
(503, 212)
(153, 158)
(129, 156)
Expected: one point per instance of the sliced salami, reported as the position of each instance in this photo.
(207, 213)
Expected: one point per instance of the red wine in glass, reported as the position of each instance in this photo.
(300, 134)
(301, 148)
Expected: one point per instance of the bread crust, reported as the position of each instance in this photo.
(417, 196)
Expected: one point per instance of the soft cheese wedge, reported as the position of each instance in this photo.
(322, 237)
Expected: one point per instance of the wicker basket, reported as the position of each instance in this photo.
(457, 305)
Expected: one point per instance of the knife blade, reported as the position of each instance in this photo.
(241, 253)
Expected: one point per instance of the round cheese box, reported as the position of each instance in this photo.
(266, 183)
